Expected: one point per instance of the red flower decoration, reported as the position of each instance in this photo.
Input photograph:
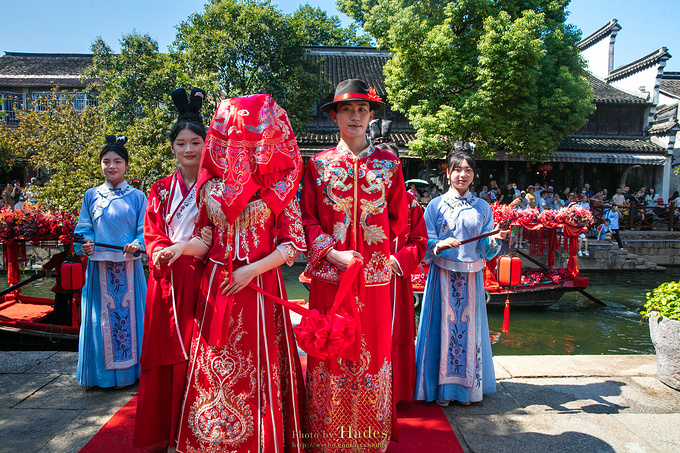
(373, 96)
(324, 336)
(32, 224)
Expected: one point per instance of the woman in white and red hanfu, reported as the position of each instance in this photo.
(172, 291)
(245, 378)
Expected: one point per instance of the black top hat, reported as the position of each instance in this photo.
(354, 90)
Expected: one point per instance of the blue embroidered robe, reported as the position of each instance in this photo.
(112, 310)
(453, 349)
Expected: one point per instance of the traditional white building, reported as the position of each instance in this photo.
(645, 79)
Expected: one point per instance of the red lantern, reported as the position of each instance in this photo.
(509, 270)
(508, 273)
(544, 169)
(72, 275)
(442, 166)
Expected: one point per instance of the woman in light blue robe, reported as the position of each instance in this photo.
(112, 304)
(453, 349)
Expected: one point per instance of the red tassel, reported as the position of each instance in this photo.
(506, 315)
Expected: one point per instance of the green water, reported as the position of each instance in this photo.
(574, 325)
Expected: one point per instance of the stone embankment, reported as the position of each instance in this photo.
(642, 250)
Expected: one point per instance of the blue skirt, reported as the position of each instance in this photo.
(453, 348)
(112, 320)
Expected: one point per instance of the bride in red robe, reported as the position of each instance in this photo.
(172, 290)
(245, 379)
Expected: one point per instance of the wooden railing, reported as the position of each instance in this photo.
(642, 217)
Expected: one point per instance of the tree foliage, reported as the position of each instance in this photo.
(133, 89)
(504, 74)
(66, 142)
(243, 47)
(315, 28)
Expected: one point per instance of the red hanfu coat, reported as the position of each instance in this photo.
(352, 203)
(168, 320)
(410, 250)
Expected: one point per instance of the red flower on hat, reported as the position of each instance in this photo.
(373, 96)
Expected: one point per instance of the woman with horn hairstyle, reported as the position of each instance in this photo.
(173, 290)
(112, 310)
(244, 371)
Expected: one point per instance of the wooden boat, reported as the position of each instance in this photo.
(540, 295)
(526, 296)
(26, 321)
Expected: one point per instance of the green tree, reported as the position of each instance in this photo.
(505, 74)
(315, 28)
(242, 47)
(133, 89)
(54, 135)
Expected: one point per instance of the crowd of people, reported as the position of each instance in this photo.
(13, 195)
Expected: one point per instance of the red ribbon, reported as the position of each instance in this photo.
(325, 335)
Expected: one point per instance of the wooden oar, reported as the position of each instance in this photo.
(582, 291)
(79, 239)
(16, 286)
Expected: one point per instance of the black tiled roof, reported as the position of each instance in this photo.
(603, 93)
(330, 138)
(43, 69)
(617, 144)
(639, 64)
(341, 63)
(664, 127)
(670, 83)
(19, 64)
(597, 35)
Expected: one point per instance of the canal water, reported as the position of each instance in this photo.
(574, 325)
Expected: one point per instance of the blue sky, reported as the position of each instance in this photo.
(70, 27)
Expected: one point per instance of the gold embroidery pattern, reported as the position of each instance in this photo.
(294, 215)
(333, 176)
(378, 269)
(351, 401)
(211, 193)
(249, 222)
(323, 270)
(220, 418)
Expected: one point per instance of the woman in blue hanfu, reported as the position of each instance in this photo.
(115, 285)
(453, 349)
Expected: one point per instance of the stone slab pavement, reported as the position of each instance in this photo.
(543, 404)
(572, 404)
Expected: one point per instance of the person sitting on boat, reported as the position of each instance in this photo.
(453, 321)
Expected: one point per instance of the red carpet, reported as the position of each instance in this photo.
(422, 427)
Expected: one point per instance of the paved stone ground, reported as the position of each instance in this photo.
(572, 404)
(543, 404)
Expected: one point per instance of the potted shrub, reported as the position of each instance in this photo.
(663, 310)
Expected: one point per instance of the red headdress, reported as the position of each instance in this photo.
(251, 146)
